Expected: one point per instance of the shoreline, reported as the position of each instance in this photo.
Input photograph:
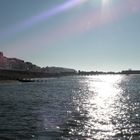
(8, 81)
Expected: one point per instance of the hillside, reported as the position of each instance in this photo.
(16, 64)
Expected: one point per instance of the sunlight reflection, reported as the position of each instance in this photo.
(101, 104)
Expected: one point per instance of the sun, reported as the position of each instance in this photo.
(104, 2)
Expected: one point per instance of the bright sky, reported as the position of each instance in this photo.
(80, 34)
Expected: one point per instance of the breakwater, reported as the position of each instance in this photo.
(17, 75)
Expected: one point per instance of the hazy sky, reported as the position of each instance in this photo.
(79, 34)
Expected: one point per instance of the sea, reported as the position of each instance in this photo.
(99, 107)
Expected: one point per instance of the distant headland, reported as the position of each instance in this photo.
(17, 69)
(126, 72)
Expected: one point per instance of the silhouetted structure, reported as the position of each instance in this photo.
(130, 72)
(94, 72)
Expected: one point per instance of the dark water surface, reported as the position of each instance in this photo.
(72, 108)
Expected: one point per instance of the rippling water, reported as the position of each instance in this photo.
(72, 108)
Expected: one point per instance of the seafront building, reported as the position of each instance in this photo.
(17, 64)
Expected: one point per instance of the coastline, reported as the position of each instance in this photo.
(8, 81)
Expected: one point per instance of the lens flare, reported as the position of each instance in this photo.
(36, 19)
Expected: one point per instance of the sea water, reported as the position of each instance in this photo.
(71, 108)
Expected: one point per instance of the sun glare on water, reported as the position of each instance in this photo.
(101, 102)
(105, 89)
